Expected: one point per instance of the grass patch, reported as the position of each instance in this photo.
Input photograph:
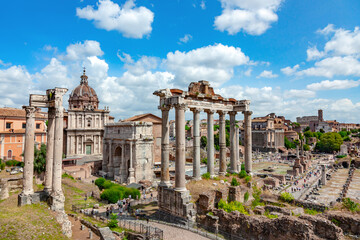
(205, 176)
(311, 211)
(351, 205)
(286, 197)
(270, 216)
(232, 206)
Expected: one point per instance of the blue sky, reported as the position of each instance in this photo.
(287, 57)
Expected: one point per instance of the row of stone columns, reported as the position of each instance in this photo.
(180, 144)
(53, 154)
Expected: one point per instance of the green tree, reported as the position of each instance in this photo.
(344, 134)
(203, 141)
(306, 129)
(40, 159)
(329, 142)
(289, 144)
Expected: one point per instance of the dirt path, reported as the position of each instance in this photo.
(78, 234)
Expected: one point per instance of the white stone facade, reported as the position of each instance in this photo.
(128, 155)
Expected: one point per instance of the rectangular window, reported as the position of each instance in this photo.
(88, 149)
(24, 125)
(38, 126)
(8, 125)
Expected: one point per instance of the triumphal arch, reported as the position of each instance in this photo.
(199, 97)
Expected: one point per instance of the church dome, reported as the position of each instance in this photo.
(83, 96)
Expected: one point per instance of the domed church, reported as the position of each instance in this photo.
(85, 122)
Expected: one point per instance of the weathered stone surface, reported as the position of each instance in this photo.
(349, 223)
(259, 210)
(284, 211)
(106, 234)
(282, 228)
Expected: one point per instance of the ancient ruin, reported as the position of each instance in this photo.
(128, 151)
(199, 97)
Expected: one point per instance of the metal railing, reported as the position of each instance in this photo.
(149, 232)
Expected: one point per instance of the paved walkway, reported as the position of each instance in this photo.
(174, 233)
(354, 188)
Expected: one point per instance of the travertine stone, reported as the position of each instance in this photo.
(131, 178)
(180, 148)
(222, 143)
(196, 145)
(248, 141)
(323, 174)
(29, 151)
(110, 167)
(50, 150)
(210, 143)
(165, 177)
(233, 163)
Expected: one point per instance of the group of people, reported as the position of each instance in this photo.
(123, 207)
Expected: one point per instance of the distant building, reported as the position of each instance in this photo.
(85, 124)
(12, 132)
(156, 131)
(267, 133)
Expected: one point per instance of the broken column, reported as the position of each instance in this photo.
(222, 143)
(57, 197)
(165, 177)
(323, 174)
(210, 142)
(248, 141)
(180, 148)
(25, 196)
(196, 144)
(50, 150)
(233, 164)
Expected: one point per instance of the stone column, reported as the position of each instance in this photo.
(165, 176)
(131, 178)
(210, 142)
(233, 163)
(50, 150)
(323, 174)
(180, 183)
(105, 156)
(29, 152)
(248, 141)
(110, 173)
(57, 195)
(196, 145)
(222, 143)
(237, 148)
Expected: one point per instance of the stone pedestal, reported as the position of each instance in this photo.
(37, 197)
(234, 194)
(176, 203)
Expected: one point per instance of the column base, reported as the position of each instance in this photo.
(37, 197)
(57, 201)
(197, 178)
(165, 184)
(222, 173)
(180, 189)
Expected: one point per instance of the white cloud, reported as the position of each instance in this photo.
(344, 105)
(333, 85)
(50, 48)
(214, 63)
(267, 74)
(313, 53)
(344, 42)
(80, 51)
(252, 16)
(290, 70)
(248, 72)
(131, 21)
(333, 66)
(202, 5)
(185, 39)
(295, 93)
(4, 64)
(15, 84)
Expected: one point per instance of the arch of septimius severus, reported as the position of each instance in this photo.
(53, 100)
(199, 97)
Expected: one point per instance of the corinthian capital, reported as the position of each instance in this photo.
(30, 111)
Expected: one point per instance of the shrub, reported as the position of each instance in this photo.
(113, 223)
(2, 166)
(242, 174)
(233, 206)
(0, 160)
(242, 167)
(341, 156)
(211, 213)
(216, 178)
(247, 179)
(65, 175)
(204, 160)
(311, 211)
(246, 196)
(206, 175)
(100, 183)
(350, 205)
(286, 197)
(256, 195)
(13, 163)
(234, 182)
(116, 192)
(268, 215)
(227, 175)
(108, 184)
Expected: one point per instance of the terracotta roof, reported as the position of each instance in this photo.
(259, 120)
(15, 112)
(139, 117)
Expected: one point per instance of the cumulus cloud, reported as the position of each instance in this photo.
(252, 16)
(267, 74)
(303, 93)
(4, 64)
(290, 70)
(203, 5)
(214, 63)
(80, 50)
(185, 39)
(131, 21)
(333, 85)
(313, 53)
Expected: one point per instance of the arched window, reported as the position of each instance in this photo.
(9, 154)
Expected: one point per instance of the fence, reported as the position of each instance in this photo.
(148, 231)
